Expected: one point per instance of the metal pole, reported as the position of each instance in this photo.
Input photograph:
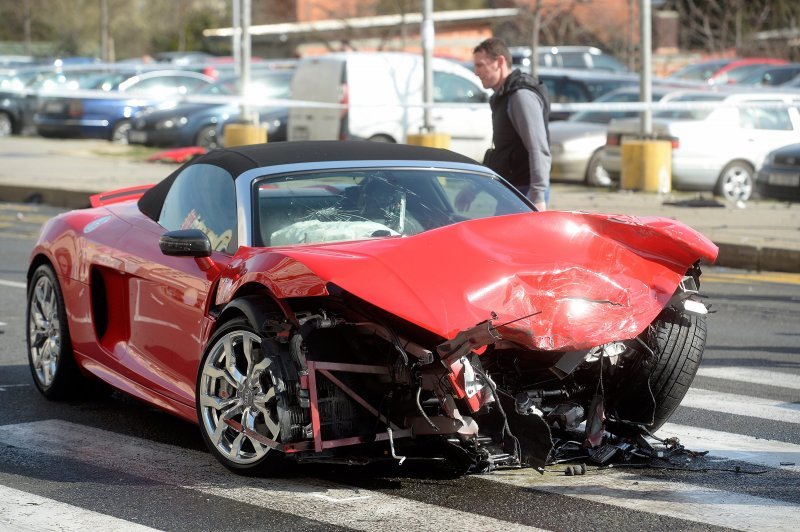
(245, 108)
(427, 61)
(236, 39)
(104, 31)
(646, 74)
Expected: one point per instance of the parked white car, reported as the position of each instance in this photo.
(577, 143)
(716, 149)
(378, 96)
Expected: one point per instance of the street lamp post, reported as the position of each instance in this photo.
(427, 61)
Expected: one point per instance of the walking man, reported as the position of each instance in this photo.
(520, 114)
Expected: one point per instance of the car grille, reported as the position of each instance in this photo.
(787, 160)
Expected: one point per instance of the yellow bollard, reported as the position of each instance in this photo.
(243, 134)
(646, 165)
(431, 140)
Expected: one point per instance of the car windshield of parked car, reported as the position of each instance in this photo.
(604, 117)
(690, 114)
(600, 87)
(700, 71)
(736, 75)
(359, 204)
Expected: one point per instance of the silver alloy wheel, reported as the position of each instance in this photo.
(736, 182)
(5, 125)
(44, 331)
(596, 175)
(238, 394)
(207, 138)
(120, 132)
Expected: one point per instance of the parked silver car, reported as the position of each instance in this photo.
(717, 149)
(576, 144)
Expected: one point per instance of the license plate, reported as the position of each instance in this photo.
(300, 133)
(784, 180)
(54, 107)
(137, 137)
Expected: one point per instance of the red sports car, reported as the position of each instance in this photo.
(326, 301)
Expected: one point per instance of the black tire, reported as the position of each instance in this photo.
(50, 355)
(596, 175)
(657, 386)
(261, 393)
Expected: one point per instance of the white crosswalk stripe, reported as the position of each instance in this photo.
(333, 504)
(754, 376)
(742, 405)
(22, 512)
(354, 508)
(626, 489)
(769, 453)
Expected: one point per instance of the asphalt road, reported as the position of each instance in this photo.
(114, 463)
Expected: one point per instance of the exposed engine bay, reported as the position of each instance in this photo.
(350, 388)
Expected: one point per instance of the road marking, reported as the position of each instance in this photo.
(354, 508)
(5, 387)
(742, 405)
(739, 278)
(630, 490)
(22, 511)
(754, 376)
(759, 451)
(12, 284)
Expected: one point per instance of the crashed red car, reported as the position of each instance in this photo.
(325, 301)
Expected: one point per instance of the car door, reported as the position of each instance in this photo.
(461, 110)
(169, 296)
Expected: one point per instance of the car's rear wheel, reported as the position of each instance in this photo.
(50, 357)
(6, 125)
(736, 181)
(242, 402)
(656, 386)
(207, 138)
(596, 175)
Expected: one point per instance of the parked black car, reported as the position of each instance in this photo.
(580, 86)
(779, 176)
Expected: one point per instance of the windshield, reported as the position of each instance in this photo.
(690, 114)
(604, 117)
(700, 71)
(359, 204)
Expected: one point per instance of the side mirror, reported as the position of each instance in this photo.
(185, 243)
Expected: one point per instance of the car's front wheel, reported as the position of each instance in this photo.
(736, 181)
(242, 399)
(658, 383)
(52, 365)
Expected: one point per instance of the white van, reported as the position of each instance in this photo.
(378, 96)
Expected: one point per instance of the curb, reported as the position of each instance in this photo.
(72, 199)
(757, 258)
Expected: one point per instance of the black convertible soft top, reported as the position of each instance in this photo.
(243, 158)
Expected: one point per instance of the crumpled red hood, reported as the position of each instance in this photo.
(577, 280)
